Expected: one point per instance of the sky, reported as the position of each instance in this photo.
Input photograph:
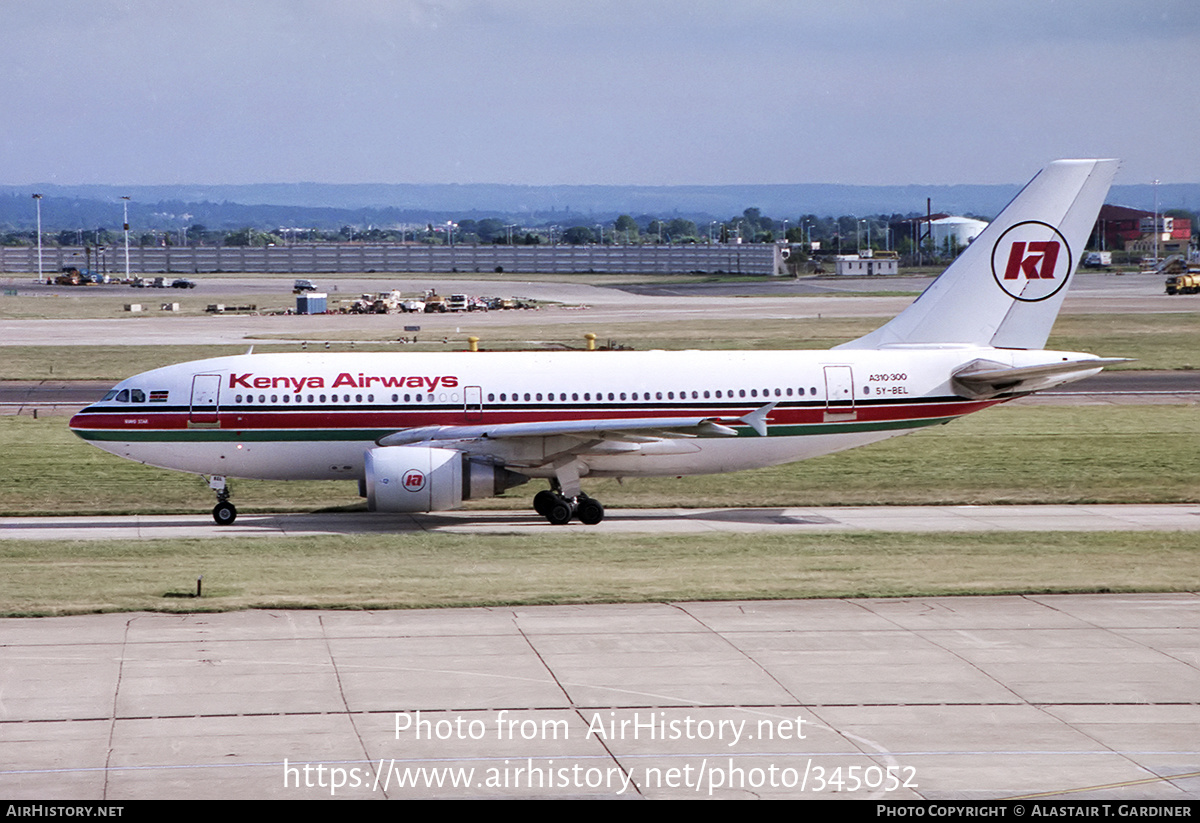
(625, 92)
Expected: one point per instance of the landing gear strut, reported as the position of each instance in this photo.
(559, 509)
(224, 513)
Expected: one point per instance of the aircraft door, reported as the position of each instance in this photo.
(839, 392)
(473, 404)
(206, 391)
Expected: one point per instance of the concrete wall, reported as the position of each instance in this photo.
(319, 258)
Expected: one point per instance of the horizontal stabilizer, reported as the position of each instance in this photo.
(982, 379)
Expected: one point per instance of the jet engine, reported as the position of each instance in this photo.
(422, 479)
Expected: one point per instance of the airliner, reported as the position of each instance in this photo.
(425, 432)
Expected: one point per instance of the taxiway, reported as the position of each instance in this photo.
(1036, 698)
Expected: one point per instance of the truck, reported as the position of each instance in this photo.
(1183, 283)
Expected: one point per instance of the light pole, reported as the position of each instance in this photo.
(37, 198)
(126, 204)
(1156, 229)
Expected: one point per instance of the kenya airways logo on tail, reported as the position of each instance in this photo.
(1031, 261)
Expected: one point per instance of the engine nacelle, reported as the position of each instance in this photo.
(422, 479)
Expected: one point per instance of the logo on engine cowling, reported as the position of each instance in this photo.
(413, 480)
(1031, 261)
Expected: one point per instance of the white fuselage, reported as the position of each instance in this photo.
(313, 416)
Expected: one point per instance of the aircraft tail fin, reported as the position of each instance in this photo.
(1006, 288)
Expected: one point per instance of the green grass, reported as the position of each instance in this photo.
(1156, 341)
(1009, 454)
(436, 570)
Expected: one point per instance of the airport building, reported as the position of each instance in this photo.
(320, 258)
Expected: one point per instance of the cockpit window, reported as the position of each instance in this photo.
(111, 394)
(123, 396)
(137, 396)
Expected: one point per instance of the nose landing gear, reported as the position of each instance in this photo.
(224, 513)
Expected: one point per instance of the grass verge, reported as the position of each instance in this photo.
(442, 570)
(1009, 454)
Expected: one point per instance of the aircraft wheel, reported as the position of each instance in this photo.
(560, 512)
(590, 512)
(543, 500)
(224, 513)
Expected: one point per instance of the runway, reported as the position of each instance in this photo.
(1036, 698)
(781, 520)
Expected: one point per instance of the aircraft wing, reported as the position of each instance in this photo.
(985, 378)
(611, 429)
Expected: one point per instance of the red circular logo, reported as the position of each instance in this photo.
(1031, 261)
(413, 480)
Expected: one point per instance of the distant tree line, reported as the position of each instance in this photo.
(830, 235)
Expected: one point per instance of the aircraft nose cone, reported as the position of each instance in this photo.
(78, 422)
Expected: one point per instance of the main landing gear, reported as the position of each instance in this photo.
(224, 513)
(559, 509)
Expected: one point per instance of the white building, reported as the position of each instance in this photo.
(957, 232)
(865, 265)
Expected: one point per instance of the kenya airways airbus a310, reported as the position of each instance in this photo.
(424, 432)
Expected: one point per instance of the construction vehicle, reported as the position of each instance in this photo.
(434, 303)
